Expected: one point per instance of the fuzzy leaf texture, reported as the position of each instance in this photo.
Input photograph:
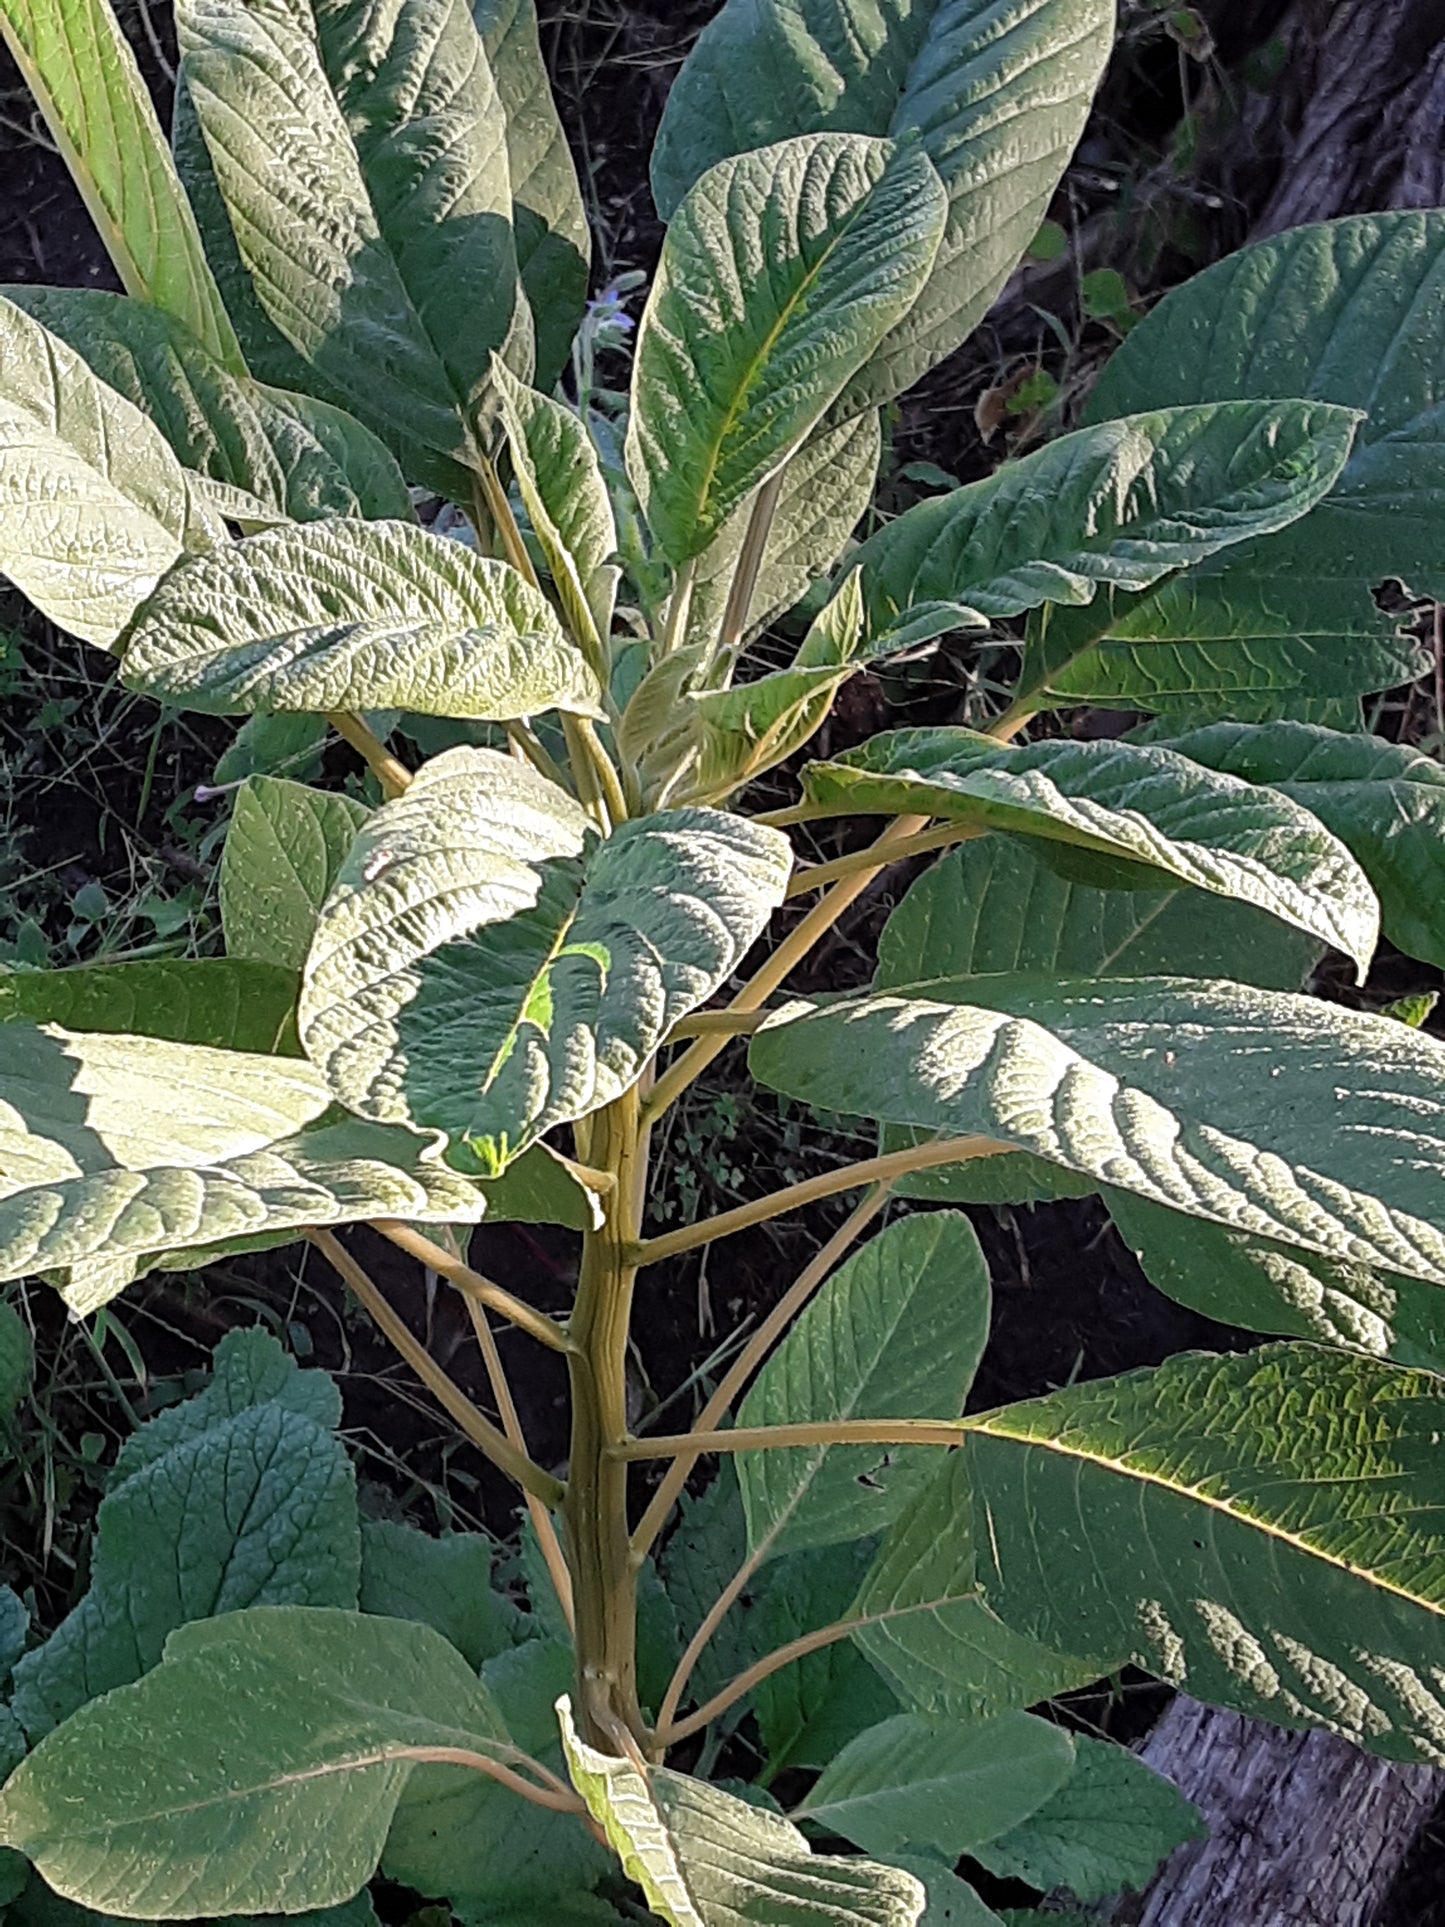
(1204, 1096)
(119, 1146)
(358, 616)
(706, 1859)
(996, 91)
(1266, 1532)
(1156, 809)
(780, 274)
(488, 966)
(283, 852)
(256, 1769)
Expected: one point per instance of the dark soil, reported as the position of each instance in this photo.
(109, 801)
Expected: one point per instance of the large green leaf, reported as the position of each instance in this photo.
(1117, 507)
(283, 851)
(1266, 1532)
(1385, 802)
(118, 1146)
(80, 69)
(1268, 1287)
(994, 907)
(1203, 1096)
(553, 238)
(560, 478)
(702, 1856)
(998, 90)
(826, 491)
(866, 1347)
(227, 1002)
(1108, 1826)
(222, 424)
(257, 1768)
(249, 1504)
(922, 1620)
(489, 966)
(94, 507)
(362, 158)
(1343, 312)
(1156, 810)
(943, 1787)
(781, 273)
(356, 615)
(445, 1583)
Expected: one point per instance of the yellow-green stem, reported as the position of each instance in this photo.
(392, 774)
(776, 1438)
(818, 874)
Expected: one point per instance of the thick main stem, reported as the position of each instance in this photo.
(603, 1577)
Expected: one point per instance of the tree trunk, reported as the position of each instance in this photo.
(1305, 1830)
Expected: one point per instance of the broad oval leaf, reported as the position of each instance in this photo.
(283, 851)
(80, 68)
(868, 1346)
(256, 1769)
(1114, 507)
(1266, 1532)
(355, 615)
(487, 965)
(1206, 1097)
(1384, 801)
(1266, 1287)
(362, 159)
(781, 273)
(1346, 311)
(118, 1146)
(229, 428)
(1107, 1827)
(997, 94)
(549, 219)
(702, 1856)
(94, 506)
(944, 1787)
(1227, 836)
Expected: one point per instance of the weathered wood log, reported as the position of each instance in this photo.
(1305, 1830)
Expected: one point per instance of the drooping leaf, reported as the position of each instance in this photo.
(826, 491)
(445, 1583)
(282, 854)
(701, 1856)
(780, 274)
(1265, 1531)
(1204, 1096)
(355, 615)
(1342, 312)
(83, 76)
(1268, 1287)
(1116, 507)
(1384, 801)
(118, 1146)
(998, 96)
(943, 1787)
(300, 458)
(552, 235)
(256, 1508)
(994, 907)
(256, 1769)
(867, 1346)
(226, 1002)
(94, 506)
(560, 478)
(1228, 837)
(362, 159)
(1108, 1826)
(922, 1620)
(489, 967)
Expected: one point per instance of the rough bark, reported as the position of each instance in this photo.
(1305, 1830)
